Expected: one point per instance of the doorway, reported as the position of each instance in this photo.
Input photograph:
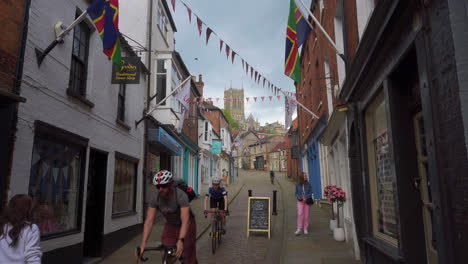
(95, 204)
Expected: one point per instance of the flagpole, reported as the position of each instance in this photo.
(321, 29)
(40, 55)
(298, 103)
(167, 97)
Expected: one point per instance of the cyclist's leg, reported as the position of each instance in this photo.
(223, 216)
(212, 207)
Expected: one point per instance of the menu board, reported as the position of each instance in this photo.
(258, 219)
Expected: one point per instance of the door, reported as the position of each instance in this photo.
(95, 204)
(422, 182)
(186, 166)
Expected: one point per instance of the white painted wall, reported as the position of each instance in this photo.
(339, 41)
(45, 91)
(364, 10)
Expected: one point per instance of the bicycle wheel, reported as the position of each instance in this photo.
(220, 231)
(214, 232)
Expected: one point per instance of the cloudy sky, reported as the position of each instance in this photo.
(256, 30)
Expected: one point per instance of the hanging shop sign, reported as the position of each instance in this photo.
(160, 137)
(128, 73)
(216, 146)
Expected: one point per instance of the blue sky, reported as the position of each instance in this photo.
(256, 30)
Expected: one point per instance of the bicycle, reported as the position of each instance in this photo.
(217, 230)
(169, 253)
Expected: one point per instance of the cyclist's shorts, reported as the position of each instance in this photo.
(217, 203)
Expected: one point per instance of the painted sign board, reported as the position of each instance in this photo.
(129, 72)
(258, 216)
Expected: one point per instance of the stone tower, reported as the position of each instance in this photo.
(234, 105)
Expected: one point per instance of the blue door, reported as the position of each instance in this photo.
(313, 161)
(195, 180)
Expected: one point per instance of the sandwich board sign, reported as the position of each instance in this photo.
(258, 218)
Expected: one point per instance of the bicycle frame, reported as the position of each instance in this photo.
(169, 253)
(216, 228)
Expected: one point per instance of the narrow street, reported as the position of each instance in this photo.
(283, 247)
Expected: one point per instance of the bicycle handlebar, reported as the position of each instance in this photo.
(169, 250)
(214, 212)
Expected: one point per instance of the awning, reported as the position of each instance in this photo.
(160, 137)
(337, 120)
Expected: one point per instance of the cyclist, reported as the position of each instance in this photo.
(180, 228)
(218, 199)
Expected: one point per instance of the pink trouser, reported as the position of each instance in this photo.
(302, 215)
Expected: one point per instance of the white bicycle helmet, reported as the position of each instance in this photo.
(216, 181)
(162, 177)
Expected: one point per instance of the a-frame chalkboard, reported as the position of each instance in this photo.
(259, 212)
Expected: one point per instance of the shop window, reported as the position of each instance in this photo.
(55, 184)
(161, 73)
(79, 61)
(381, 176)
(123, 199)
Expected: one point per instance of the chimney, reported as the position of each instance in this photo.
(200, 84)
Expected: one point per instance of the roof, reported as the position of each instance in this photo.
(262, 141)
(247, 133)
(280, 146)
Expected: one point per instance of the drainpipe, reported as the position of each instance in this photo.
(148, 96)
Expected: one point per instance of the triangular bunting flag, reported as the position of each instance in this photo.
(256, 76)
(255, 99)
(233, 54)
(228, 49)
(242, 63)
(173, 4)
(189, 13)
(246, 68)
(270, 97)
(251, 73)
(208, 34)
(220, 45)
(278, 97)
(217, 99)
(263, 82)
(263, 98)
(199, 23)
(247, 98)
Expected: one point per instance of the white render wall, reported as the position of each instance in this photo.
(45, 91)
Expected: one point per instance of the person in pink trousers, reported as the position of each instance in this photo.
(303, 192)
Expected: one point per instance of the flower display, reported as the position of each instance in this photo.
(335, 194)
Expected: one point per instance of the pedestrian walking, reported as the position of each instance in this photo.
(19, 237)
(272, 177)
(304, 200)
(225, 176)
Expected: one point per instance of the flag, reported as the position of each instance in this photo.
(289, 108)
(278, 97)
(263, 98)
(217, 99)
(220, 45)
(242, 63)
(246, 68)
(270, 97)
(189, 13)
(302, 28)
(292, 67)
(233, 54)
(173, 4)
(199, 23)
(184, 98)
(208, 34)
(263, 82)
(247, 98)
(228, 49)
(255, 99)
(105, 15)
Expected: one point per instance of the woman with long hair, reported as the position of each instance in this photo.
(303, 192)
(19, 237)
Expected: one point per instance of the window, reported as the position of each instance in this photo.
(162, 21)
(124, 195)
(206, 131)
(161, 80)
(339, 40)
(79, 62)
(276, 164)
(54, 185)
(276, 155)
(328, 84)
(381, 177)
(121, 103)
(175, 82)
(283, 164)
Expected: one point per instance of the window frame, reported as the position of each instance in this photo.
(75, 59)
(135, 162)
(121, 98)
(163, 76)
(372, 181)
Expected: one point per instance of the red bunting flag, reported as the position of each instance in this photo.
(217, 99)
(263, 82)
(255, 99)
(270, 97)
(258, 80)
(220, 45)
(247, 98)
(278, 97)
(199, 23)
(228, 49)
(233, 54)
(208, 34)
(256, 76)
(246, 68)
(242, 63)
(251, 73)
(263, 98)
(239, 99)
(189, 13)
(224, 99)
(173, 4)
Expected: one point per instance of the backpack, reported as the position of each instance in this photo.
(180, 184)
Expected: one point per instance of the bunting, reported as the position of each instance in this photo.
(208, 34)
(228, 49)
(233, 55)
(173, 4)
(199, 23)
(220, 45)
(189, 11)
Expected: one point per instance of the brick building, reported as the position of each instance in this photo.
(396, 123)
(12, 44)
(292, 154)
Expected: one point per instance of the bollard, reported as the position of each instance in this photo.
(250, 193)
(274, 203)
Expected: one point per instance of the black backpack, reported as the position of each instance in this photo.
(180, 184)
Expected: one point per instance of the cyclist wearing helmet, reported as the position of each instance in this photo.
(218, 199)
(180, 228)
